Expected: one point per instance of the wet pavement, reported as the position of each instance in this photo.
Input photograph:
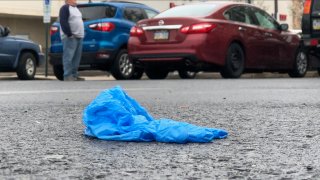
(273, 127)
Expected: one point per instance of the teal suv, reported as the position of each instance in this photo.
(107, 30)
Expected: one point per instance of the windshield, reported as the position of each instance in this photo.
(97, 12)
(191, 10)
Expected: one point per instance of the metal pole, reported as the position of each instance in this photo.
(276, 9)
(46, 60)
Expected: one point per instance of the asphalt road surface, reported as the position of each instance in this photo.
(273, 126)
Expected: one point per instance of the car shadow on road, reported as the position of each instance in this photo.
(14, 78)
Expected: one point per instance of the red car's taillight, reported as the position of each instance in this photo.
(307, 7)
(53, 30)
(136, 31)
(198, 28)
(104, 27)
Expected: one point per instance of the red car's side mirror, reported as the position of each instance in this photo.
(284, 27)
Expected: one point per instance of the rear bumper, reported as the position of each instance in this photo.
(87, 58)
(195, 48)
(164, 57)
(313, 51)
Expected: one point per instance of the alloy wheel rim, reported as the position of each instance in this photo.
(126, 67)
(301, 62)
(30, 66)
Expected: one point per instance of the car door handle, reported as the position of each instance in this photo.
(242, 29)
(268, 34)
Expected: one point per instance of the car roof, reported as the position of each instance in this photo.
(119, 4)
(219, 3)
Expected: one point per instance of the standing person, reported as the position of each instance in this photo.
(72, 34)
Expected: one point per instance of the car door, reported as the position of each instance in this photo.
(1, 49)
(7, 52)
(246, 29)
(272, 40)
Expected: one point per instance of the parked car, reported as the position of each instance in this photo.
(19, 55)
(107, 30)
(310, 26)
(227, 37)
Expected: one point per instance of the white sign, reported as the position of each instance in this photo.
(46, 11)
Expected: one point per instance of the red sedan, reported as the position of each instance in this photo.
(230, 38)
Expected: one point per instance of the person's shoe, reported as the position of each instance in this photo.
(70, 78)
(79, 79)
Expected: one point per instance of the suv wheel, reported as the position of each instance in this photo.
(122, 67)
(26, 69)
(58, 72)
(300, 64)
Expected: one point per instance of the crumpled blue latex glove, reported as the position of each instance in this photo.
(113, 115)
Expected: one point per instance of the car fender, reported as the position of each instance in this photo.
(26, 46)
(226, 39)
(121, 39)
(234, 39)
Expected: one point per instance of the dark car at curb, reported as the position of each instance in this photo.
(310, 26)
(19, 55)
(227, 37)
(107, 30)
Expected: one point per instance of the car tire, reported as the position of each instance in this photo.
(138, 73)
(156, 72)
(122, 68)
(300, 64)
(184, 74)
(234, 63)
(27, 66)
(58, 72)
(319, 71)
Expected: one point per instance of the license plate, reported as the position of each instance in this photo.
(316, 24)
(161, 35)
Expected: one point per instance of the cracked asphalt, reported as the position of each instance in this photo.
(273, 126)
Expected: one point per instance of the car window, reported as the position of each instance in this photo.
(265, 20)
(316, 6)
(150, 13)
(193, 10)
(97, 12)
(239, 14)
(133, 14)
(1, 31)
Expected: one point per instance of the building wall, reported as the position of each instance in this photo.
(30, 28)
